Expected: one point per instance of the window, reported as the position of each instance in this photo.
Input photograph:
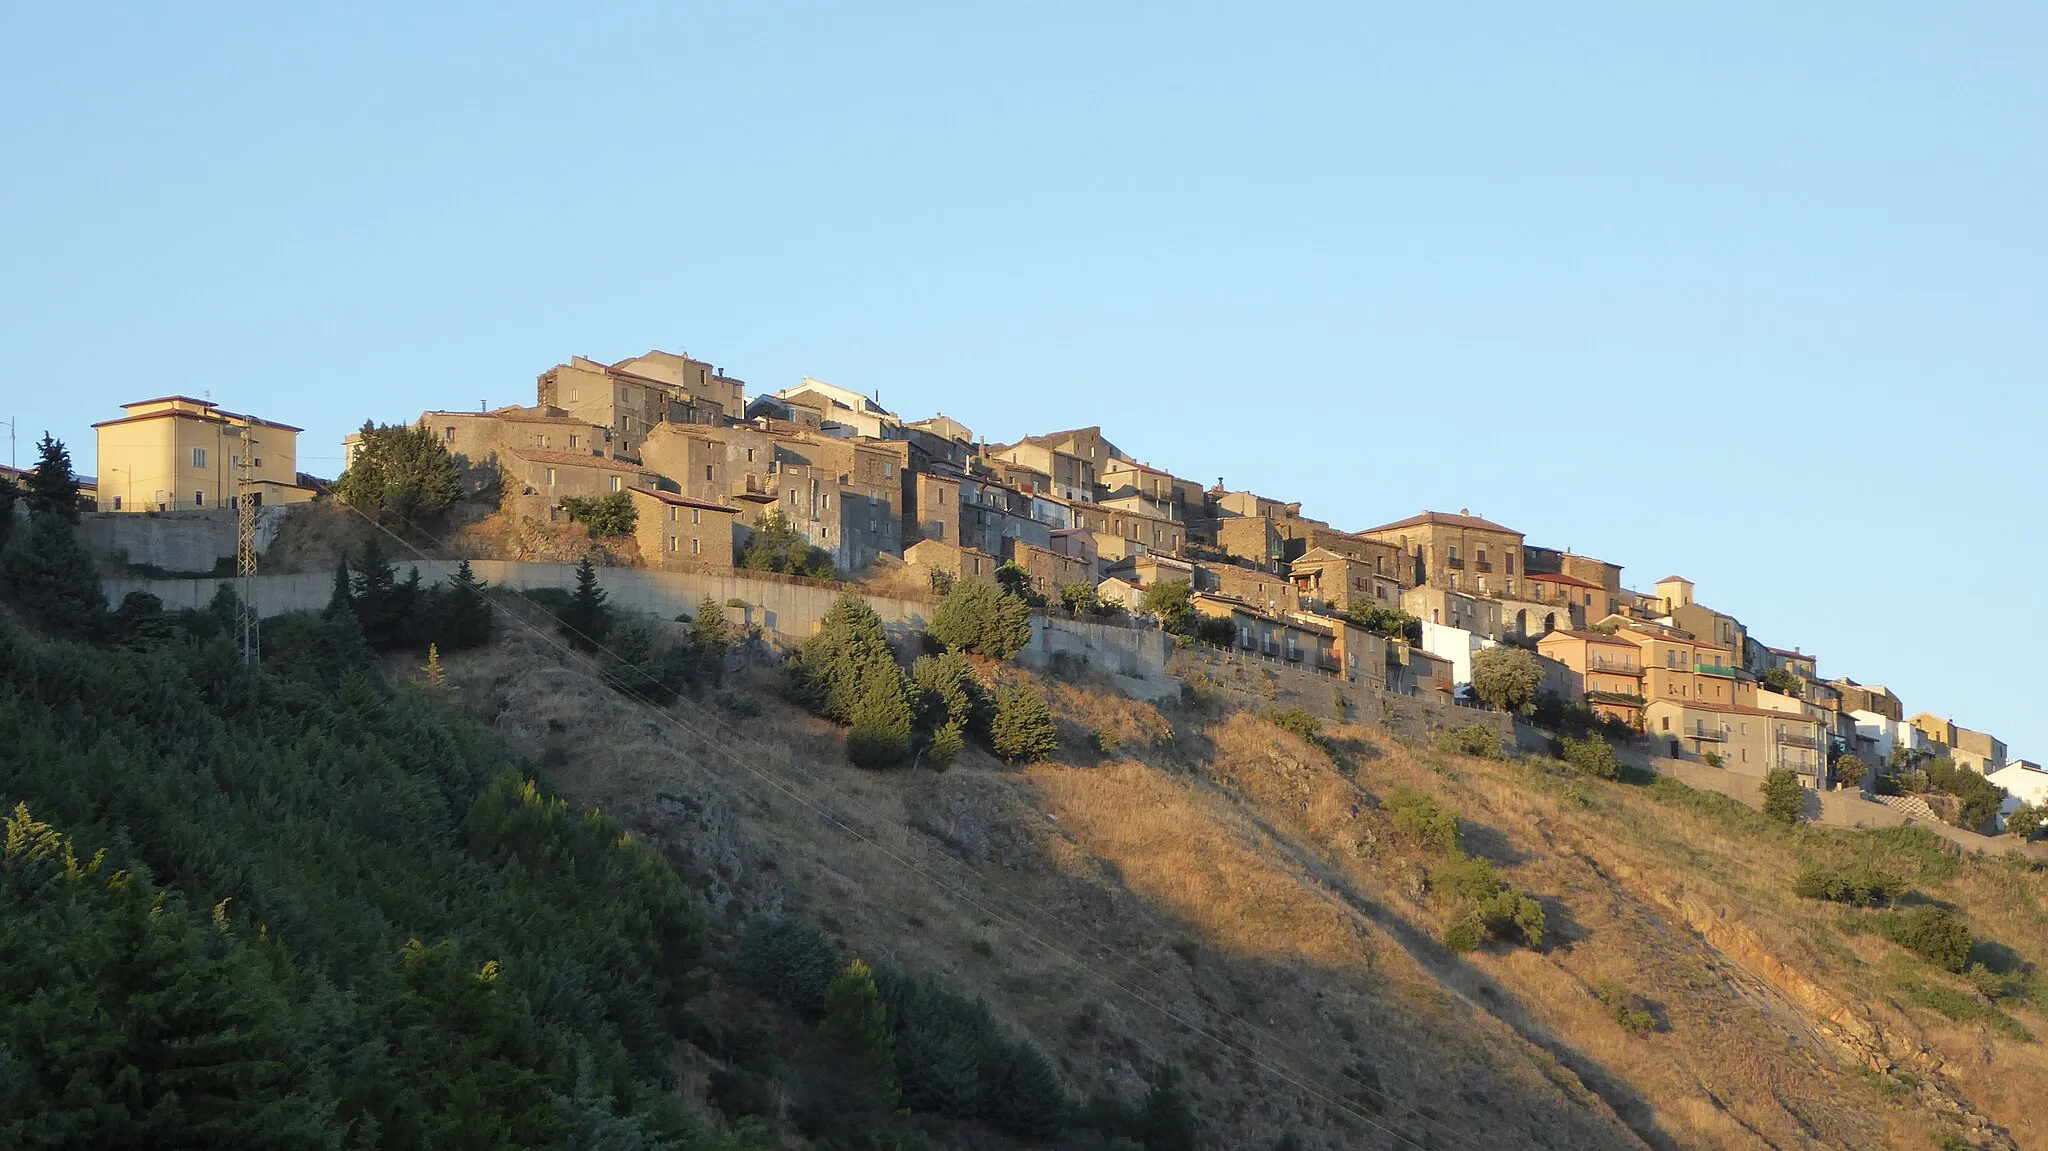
(1509, 559)
(693, 546)
(198, 457)
(551, 477)
(572, 442)
(707, 473)
(1667, 723)
(448, 434)
(1454, 553)
(198, 499)
(750, 455)
(696, 515)
(117, 503)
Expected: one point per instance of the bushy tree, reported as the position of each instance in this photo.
(776, 546)
(53, 486)
(1981, 797)
(1172, 602)
(1849, 771)
(588, 617)
(789, 961)
(976, 617)
(400, 473)
(1784, 797)
(1506, 677)
(709, 628)
(1482, 907)
(1860, 886)
(140, 622)
(1386, 622)
(2026, 820)
(1934, 933)
(1015, 579)
(848, 672)
(1593, 756)
(1782, 681)
(852, 1087)
(606, 516)
(1081, 599)
(1023, 729)
(1472, 739)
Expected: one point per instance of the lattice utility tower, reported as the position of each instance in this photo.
(247, 626)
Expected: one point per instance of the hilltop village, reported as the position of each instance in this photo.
(670, 454)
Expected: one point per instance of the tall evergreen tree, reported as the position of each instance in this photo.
(10, 498)
(465, 615)
(47, 572)
(1023, 728)
(588, 617)
(53, 486)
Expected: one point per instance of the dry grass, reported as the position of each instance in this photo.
(1243, 882)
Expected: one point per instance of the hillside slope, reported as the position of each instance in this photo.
(1214, 892)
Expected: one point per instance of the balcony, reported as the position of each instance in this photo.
(1710, 669)
(1483, 566)
(1617, 666)
(1455, 564)
(1784, 739)
(1713, 734)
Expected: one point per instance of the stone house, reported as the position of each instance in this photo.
(692, 456)
(1979, 751)
(1049, 570)
(1604, 576)
(1461, 552)
(1079, 545)
(1260, 589)
(677, 531)
(1128, 477)
(634, 396)
(1254, 539)
(1338, 580)
(961, 563)
(1874, 698)
(1582, 600)
(478, 436)
(1435, 604)
(1794, 661)
(1413, 671)
(556, 476)
(1119, 532)
(1067, 475)
(843, 412)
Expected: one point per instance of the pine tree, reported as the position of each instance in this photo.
(1023, 729)
(587, 618)
(976, 617)
(53, 487)
(436, 679)
(10, 498)
(339, 600)
(1166, 1123)
(833, 666)
(709, 629)
(856, 1029)
(881, 720)
(48, 573)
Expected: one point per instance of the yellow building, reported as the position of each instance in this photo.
(177, 453)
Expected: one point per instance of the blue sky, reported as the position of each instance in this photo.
(1753, 294)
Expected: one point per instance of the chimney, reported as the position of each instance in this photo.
(1464, 511)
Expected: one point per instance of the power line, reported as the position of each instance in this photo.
(1016, 921)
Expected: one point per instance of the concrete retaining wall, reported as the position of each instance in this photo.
(785, 610)
(188, 541)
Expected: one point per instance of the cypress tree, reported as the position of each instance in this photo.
(339, 600)
(467, 613)
(856, 1029)
(1023, 729)
(10, 496)
(880, 735)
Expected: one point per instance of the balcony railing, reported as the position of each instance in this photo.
(1711, 733)
(1455, 564)
(1712, 669)
(1482, 565)
(1621, 666)
(1786, 739)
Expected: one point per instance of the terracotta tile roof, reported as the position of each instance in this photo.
(575, 460)
(1599, 637)
(1674, 579)
(683, 501)
(212, 412)
(1559, 577)
(1737, 709)
(1446, 519)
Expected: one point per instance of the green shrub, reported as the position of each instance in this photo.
(777, 546)
(1963, 1008)
(1297, 720)
(952, 1058)
(1861, 886)
(1473, 739)
(1935, 934)
(1466, 933)
(1626, 1007)
(1422, 820)
(1023, 729)
(1475, 892)
(1784, 797)
(879, 730)
(606, 516)
(1592, 756)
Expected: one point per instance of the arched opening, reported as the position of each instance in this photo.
(1550, 623)
(1522, 622)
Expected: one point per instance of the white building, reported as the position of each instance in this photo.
(1454, 644)
(2023, 782)
(1886, 734)
(853, 413)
